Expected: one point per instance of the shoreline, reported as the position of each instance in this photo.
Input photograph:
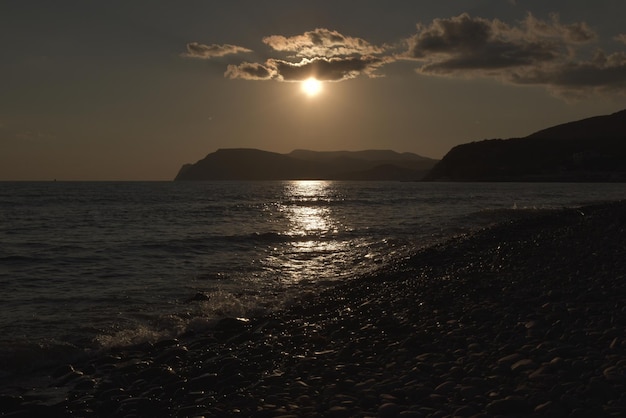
(523, 318)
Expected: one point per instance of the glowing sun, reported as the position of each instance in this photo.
(311, 86)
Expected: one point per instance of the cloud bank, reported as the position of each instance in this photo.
(324, 54)
(546, 53)
(535, 52)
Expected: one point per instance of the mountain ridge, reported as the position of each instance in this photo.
(587, 150)
(255, 164)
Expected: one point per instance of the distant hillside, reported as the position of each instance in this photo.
(253, 164)
(592, 149)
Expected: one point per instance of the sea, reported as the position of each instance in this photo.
(86, 266)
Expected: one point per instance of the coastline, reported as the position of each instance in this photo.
(525, 317)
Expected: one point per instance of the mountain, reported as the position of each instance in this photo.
(254, 164)
(592, 150)
(367, 155)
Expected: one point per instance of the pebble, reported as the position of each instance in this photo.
(508, 406)
(614, 374)
(522, 365)
(551, 409)
(388, 410)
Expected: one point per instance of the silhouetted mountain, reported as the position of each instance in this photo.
(367, 155)
(252, 164)
(592, 149)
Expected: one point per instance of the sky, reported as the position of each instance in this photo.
(132, 90)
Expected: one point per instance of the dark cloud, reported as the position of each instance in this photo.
(322, 43)
(323, 69)
(465, 43)
(250, 71)
(197, 50)
(535, 52)
(603, 73)
(492, 58)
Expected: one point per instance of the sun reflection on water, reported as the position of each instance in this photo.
(309, 211)
(314, 249)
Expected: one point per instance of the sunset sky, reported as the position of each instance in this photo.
(131, 90)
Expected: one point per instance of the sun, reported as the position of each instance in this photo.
(311, 86)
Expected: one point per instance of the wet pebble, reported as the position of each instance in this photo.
(389, 410)
(508, 406)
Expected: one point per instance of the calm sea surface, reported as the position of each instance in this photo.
(96, 264)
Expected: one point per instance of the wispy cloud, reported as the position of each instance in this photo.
(250, 71)
(197, 50)
(26, 137)
(12, 132)
(529, 52)
(621, 38)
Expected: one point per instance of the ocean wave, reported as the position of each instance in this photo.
(21, 356)
(24, 356)
(249, 240)
(17, 260)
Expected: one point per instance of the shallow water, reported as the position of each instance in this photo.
(90, 265)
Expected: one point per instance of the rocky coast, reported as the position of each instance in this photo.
(526, 318)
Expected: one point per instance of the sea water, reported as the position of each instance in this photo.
(90, 265)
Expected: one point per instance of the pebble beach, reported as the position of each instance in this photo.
(526, 318)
